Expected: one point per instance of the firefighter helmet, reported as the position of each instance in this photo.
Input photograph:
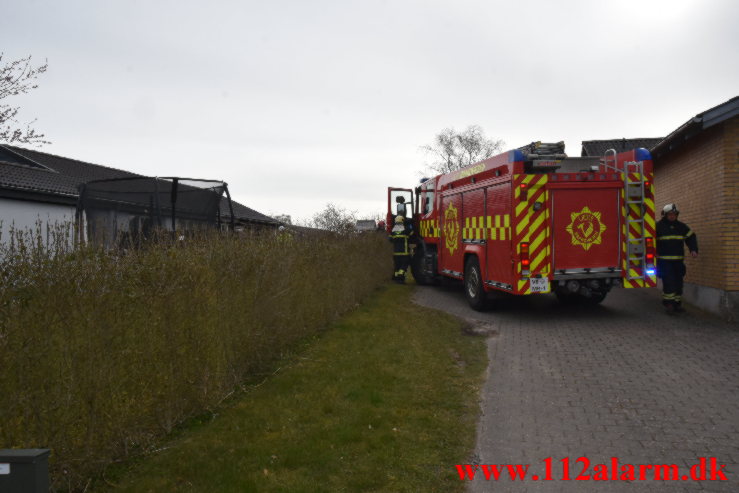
(670, 208)
(398, 219)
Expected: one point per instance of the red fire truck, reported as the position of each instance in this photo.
(533, 221)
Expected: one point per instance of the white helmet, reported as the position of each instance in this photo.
(670, 208)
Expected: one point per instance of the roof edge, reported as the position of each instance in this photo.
(702, 121)
(36, 164)
(88, 163)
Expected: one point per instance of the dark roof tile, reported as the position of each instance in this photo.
(244, 213)
(599, 147)
(35, 171)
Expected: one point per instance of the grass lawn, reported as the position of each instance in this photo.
(385, 400)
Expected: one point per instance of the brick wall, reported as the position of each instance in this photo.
(702, 178)
(730, 235)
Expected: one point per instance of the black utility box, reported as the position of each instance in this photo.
(24, 470)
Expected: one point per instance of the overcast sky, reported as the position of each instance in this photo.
(300, 103)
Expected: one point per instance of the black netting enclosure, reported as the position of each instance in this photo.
(129, 210)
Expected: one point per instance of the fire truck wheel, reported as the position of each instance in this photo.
(565, 297)
(473, 288)
(419, 273)
(595, 298)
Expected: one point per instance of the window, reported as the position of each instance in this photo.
(428, 201)
(400, 200)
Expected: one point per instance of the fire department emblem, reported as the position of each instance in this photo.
(586, 228)
(451, 228)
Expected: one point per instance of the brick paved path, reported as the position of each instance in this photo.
(618, 380)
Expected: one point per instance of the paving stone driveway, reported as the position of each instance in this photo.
(618, 380)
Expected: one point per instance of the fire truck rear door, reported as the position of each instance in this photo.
(586, 227)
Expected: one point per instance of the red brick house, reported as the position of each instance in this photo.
(697, 167)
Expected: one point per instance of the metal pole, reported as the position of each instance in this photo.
(175, 182)
(230, 206)
(158, 205)
(79, 238)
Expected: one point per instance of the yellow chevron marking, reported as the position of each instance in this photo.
(633, 283)
(539, 258)
(537, 222)
(537, 241)
(650, 221)
(523, 223)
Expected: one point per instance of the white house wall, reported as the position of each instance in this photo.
(30, 217)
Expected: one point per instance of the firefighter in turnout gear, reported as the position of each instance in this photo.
(671, 234)
(401, 253)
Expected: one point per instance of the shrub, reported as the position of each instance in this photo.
(105, 352)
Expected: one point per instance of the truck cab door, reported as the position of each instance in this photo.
(399, 203)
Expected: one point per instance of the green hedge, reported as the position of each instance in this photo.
(102, 354)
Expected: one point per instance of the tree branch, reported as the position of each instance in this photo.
(17, 77)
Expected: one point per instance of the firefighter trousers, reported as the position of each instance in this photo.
(671, 272)
(401, 266)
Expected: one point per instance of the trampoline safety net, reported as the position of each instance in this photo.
(130, 209)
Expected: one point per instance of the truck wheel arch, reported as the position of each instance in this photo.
(420, 273)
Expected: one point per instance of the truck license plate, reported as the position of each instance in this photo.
(539, 284)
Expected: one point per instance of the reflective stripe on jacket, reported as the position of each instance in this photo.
(400, 243)
(670, 238)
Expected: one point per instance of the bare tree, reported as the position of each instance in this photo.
(453, 150)
(336, 219)
(18, 77)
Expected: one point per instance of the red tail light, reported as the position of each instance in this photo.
(525, 262)
(650, 254)
(524, 189)
(649, 242)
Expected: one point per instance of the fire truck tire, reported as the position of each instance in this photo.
(595, 298)
(564, 297)
(419, 274)
(473, 288)
(575, 298)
